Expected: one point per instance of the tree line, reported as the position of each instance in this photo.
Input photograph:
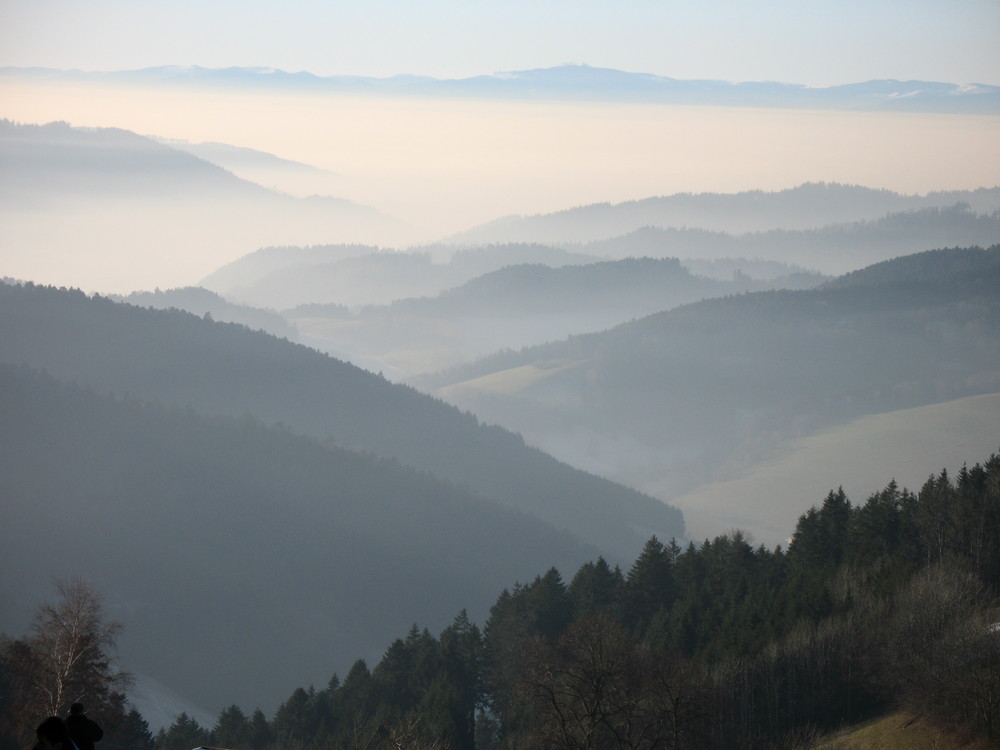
(884, 605)
(872, 607)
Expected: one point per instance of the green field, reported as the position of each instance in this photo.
(509, 381)
(862, 456)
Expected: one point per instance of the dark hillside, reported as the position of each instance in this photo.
(883, 605)
(198, 301)
(956, 265)
(243, 558)
(227, 369)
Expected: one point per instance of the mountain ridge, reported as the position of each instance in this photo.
(228, 370)
(576, 82)
(812, 204)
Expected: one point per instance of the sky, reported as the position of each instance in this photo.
(812, 42)
(442, 166)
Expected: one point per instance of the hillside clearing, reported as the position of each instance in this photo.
(862, 455)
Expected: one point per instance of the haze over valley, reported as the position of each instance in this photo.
(294, 359)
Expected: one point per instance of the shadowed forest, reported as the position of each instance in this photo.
(881, 605)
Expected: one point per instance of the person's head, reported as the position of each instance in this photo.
(76, 708)
(53, 735)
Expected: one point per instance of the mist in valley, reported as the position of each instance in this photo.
(287, 367)
(436, 167)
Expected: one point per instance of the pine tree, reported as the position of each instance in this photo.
(232, 728)
(184, 734)
(649, 586)
(596, 587)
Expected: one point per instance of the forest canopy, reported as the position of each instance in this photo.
(883, 605)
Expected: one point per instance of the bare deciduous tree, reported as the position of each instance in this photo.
(64, 659)
(72, 643)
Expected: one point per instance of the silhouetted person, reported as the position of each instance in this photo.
(82, 730)
(53, 734)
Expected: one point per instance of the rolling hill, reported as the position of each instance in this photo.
(513, 307)
(832, 249)
(692, 395)
(764, 498)
(808, 206)
(229, 370)
(111, 210)
(358, 275)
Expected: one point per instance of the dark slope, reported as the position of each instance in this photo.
(703, 383)
(241, 558)
(227, 369)
(952, 265)
(201, 302)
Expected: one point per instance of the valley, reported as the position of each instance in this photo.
(393, 356)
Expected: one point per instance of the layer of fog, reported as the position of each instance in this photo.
(444, 165)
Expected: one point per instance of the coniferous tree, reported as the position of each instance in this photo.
(232, 730)
(259, 734)
(185, 733)
(649, 585)
(596, 587)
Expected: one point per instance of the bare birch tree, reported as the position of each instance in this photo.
(72, 643)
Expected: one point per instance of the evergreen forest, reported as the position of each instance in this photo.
(882, 605)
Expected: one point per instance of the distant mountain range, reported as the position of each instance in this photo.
(267, 170)
(832, 249)
(153, 214)
(404, 313)
(573, 82)
(811, 205)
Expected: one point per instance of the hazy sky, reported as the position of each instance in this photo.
(445, 165)
(815, 42)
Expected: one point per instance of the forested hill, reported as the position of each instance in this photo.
(807, 206)
(949, 266)
(203, 302)
(877, 605)
(695, 385)
(632, 284)
(833, 248)
(356, 275)
(228, 369)
(243, 558)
